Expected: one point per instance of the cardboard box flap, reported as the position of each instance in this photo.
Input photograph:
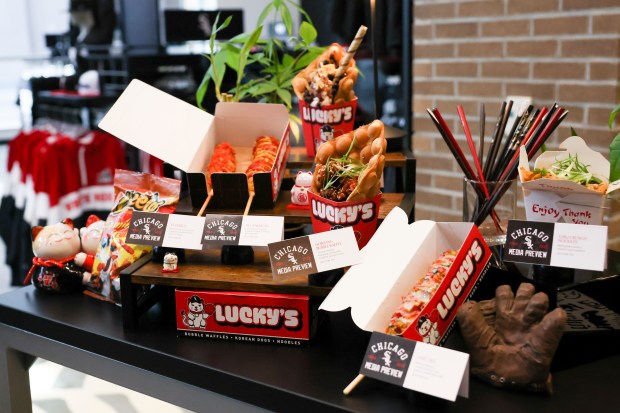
(392, 262)
(364, 285)
(160, 124)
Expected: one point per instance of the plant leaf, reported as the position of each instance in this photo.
(304, 61)
(245, 51)
(287, 60)
(263, 14)
(614, 159)
(251, 41)
(287, 19)
(573, 132)
(261, 88)
(300, 10)
(230, 55)
(307, 32)
(612, 116)
(294, 122)
(285, 95)
(216, 28)
(204, 86)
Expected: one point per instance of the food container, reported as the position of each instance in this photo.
(396, 257)
(185, 136)
(321, 124)
(363, 215)
(556, 200)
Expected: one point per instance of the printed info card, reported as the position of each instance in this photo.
(197, 233)
(557, 244)
(314, 253)
(418, 366)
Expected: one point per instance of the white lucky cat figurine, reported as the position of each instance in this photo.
(299, 192)
(90, 236)
(53, 269)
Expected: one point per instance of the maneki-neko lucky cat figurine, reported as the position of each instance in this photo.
(90, 236)
(53, 269)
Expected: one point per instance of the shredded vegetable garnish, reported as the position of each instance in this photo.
(570, 169)
(338, 177)
(337, 169)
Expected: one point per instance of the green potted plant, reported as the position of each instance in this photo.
(277, 65)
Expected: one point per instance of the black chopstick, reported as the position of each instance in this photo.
(494, 141)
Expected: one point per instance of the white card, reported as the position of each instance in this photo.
(579, 246)
(261, 230)
(335, 249)
(184, 231)
(438, 371)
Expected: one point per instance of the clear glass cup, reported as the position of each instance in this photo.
(493, 227)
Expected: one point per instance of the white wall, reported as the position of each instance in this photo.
(23, 25)
(251, 11)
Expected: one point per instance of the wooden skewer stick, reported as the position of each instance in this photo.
(204, 205)
(249, 204)
(344, 62)
(353, 384)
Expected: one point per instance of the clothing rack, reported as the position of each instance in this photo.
(58, 170)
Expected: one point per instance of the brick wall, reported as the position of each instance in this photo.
(467, 52)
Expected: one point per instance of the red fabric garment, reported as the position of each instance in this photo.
(98, 155)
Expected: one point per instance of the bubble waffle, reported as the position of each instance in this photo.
(315, 83)
(365, 146)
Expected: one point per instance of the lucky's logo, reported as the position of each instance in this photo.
(466, 268)
(198, 313)
(331, 116)
(255, 316)
(347, 215)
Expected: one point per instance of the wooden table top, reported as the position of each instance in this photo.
(204, 270)
(389, 201)
(298, 159)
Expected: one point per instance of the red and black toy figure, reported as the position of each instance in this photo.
(53, 269)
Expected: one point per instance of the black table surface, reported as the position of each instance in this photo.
(281, 378)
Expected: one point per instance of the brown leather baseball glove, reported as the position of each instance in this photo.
(512, 338)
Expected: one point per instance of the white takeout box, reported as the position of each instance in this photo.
(397, 256)
(555, 200)
(184, 136)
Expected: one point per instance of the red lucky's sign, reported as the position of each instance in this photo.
(229, 314)
(361, 215)
(326, 122)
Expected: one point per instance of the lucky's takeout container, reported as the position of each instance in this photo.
(361, 215)
(284, 319)
(185, 136)
(555, 200)
(325, 123)
(397, 256)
